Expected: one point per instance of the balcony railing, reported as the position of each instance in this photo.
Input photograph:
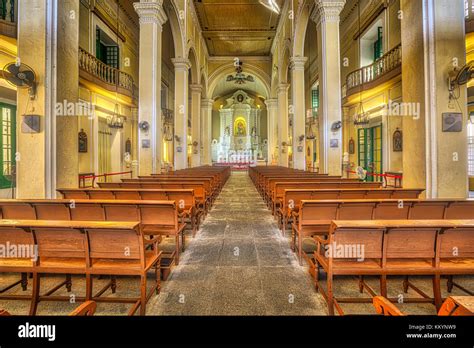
(388, 62)
(105, 73)
(8, 23)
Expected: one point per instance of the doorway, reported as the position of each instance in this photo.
(370, 151)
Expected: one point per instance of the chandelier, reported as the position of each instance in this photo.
(311, 123)
(115, 121)
(361, 117)
(240, 78)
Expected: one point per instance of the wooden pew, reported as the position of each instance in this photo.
(202, 197)
(88, 248)
(264, 183)
(389, 247)
(189, 210)
(86, 309)
(269, 189)
(452, 306)
(314, 217)
(212, 191)
(278, 190)
(292, 198)
(157, 218)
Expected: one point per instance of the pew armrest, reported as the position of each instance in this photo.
(384, 307)
(86, 309)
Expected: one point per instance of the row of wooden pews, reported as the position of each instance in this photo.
(368, 230)
(105, 232)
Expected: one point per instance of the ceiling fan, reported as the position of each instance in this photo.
(459, 77)
(271, 5)
(21, 76)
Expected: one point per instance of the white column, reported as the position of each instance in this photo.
(196, 91)
(206, 131)
(272, 139)
(181, 73)
(152, 17)
(283, 124)
(326, 16)
(35, 158)
(433, 39)
(297, 65)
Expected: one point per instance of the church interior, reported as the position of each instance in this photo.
(236, 158)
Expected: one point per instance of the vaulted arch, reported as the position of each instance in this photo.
(229, 68)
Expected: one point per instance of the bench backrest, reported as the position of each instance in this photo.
(17, 237)
(456, 243)
(163, 213)
(311, 212)
(295, 196)
(115, 244)
(56, 242)
(356, 244)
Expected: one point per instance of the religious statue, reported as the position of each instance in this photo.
(254, 131)
(227, 131)
(82, 141)
(397, 141)
(240, 128)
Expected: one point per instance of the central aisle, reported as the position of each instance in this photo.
(238, 264)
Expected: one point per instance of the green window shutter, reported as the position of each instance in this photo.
(3, 9)
(315, 100)
(378, 45)
(112, 56)
(12, 11)
(98, 45)
(7, 144)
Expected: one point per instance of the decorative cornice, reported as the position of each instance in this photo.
(207, 103)
(283, 87)
(150, 11)
(271, 103)
(181, 64)
(298, 63)
(195, 88)
(327, 11)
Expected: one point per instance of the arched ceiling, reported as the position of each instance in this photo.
(224, 87)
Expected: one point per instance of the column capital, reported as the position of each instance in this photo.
(207, 103)
(195, 88)
(283, 88)
(181, 64)
(271, 103)
(150, 12)
(327, 10)
(298, 63)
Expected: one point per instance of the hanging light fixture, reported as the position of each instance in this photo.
(309, 125)
(240, 78)
(361, 117)
(116, 120)
(271, 5)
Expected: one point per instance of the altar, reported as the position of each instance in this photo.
(240, 140)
